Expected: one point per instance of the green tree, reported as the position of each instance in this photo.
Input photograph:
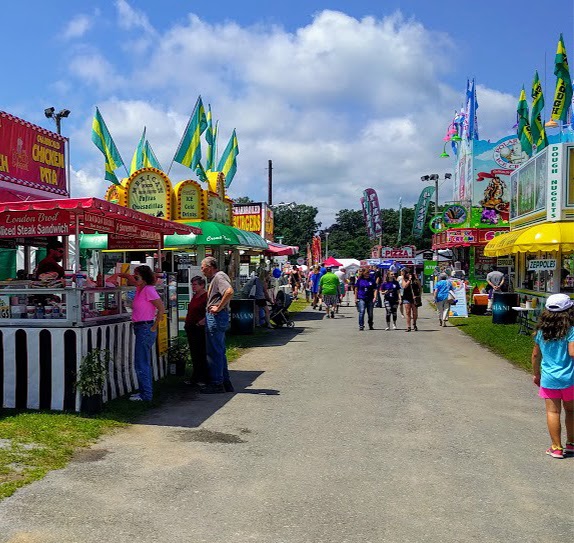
(295, 224)
(243, 200)
(348, 235)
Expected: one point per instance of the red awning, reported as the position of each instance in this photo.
(331, 262)
(61, 216)
(277, 249)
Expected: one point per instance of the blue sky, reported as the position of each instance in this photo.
(340, 95)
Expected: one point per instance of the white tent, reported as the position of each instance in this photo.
(351, 265)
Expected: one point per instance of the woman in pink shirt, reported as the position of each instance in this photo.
(147, 311)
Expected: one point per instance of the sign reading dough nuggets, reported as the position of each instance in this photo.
(149, 191)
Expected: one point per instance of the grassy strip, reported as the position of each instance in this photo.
(502, 339)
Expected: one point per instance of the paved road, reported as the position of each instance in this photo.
(336, 436)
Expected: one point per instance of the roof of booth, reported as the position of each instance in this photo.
(546, 237)
(95, 208)
(215, 233)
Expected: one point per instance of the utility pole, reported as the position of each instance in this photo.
(400, 221)
(270, 183)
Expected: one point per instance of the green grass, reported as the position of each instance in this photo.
(502, 339)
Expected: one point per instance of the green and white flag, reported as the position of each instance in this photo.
(421, 211)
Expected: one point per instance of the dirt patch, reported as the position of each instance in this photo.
(89, 455)
(206, 436)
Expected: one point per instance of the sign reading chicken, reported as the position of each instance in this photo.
(31, 156)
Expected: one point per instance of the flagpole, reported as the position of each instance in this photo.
(400, 220)
(183, 134)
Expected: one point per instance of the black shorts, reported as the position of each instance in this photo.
(260, 303)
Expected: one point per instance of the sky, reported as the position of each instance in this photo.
(340, 95)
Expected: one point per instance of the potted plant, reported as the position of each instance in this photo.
(178, 356)
(92, 379)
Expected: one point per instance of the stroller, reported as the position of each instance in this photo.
(279, 310)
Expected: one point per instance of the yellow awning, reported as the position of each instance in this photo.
(550, 236)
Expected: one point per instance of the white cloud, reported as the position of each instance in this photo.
(339, 105)
(77, 27)
(130, 18)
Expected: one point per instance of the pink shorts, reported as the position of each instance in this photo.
(564, 394)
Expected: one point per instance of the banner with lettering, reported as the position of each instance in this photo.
(372, 213)
(421, 211)
(34, 223)
(248, 217)
(31, 156)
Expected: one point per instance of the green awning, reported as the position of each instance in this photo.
(94, 241)
(214, 233)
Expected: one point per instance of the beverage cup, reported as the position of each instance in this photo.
(31, 311)
(48, 311)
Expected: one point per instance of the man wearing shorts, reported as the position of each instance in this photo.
(329, 288)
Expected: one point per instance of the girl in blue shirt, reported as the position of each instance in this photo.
(553, 368)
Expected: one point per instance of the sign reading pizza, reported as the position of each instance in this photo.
(407, 251)
(31, 156)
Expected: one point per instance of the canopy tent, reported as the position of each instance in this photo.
(214, 233)
(278, 249)
(332, 263)
(552, 236)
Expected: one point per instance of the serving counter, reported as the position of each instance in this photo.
(45, 334)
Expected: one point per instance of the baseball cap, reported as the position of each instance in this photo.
(559, 302)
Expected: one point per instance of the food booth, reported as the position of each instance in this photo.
(46, 328)
(206, 210)
(541, 240)
(480, 210)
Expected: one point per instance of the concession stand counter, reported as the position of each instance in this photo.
(46, 330)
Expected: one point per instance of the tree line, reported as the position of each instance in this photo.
(296, 224)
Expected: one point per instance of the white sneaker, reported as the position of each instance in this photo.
(394, 326)
(387, 328)
(136, 398)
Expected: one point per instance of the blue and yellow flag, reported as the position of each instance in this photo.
(150, 160)
(563, 92)
(536, 126)
(138, 158)
(103, 140)
(228, 160)
(144, 157)
(523, 131)
(210, 137)
(189, 150)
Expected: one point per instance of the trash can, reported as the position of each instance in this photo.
(502, 312)
(242, 316)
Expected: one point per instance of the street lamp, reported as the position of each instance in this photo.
(327, 245)
(434, 177)
(50, 113)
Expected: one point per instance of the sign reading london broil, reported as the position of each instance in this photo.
(34, 223)
(31, 156)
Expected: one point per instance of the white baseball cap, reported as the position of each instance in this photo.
(559, 302)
